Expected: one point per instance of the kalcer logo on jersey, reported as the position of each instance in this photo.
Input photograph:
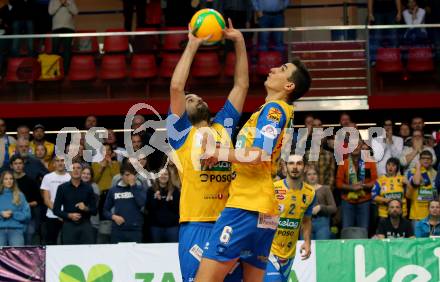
(274, 115)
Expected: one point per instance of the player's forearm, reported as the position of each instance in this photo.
(251, 156)
(307, 229)
(241, 75)
(181, 72)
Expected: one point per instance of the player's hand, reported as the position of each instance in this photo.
(305, 251)
(209, 156)
(231, 33)
(194, 40)
(119, 220)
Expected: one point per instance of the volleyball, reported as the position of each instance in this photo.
(208, 22)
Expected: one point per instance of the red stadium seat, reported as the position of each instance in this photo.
(115, 44)
(23, 70)
(82, 68)
(230, 64)
(85, 45)
(143, 66)
(206, 64)
(113, 67)
(268, 60)
(169, 62)
(388, 60)
(420, 60)
(146, 43)
(174, 42)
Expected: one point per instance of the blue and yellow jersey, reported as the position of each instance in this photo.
(390, 187)
(252, 188)
(422, 195)
(293, 205)
(204, 192)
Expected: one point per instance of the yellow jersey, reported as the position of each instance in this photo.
(421, 195)
(390, 187)
(252, 188)
(293, 205)
(204, 192)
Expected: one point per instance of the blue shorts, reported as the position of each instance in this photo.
(278, 269)
(238, 234)
(192, 238)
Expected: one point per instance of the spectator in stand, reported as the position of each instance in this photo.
(391, 146)
(405, 134)
(75, 202)
(417, 123)
(433, 17)
(79, 156)
(119, 152)
(90, 122)
(163, 209)
(24, 131)
(87, 178)
(414, 15)
(14, 212)
(345, 120)
(394, 225)
(178, 12)
(410, 155)
(43, 21)
(39, 139)
(325, 206)
(5, 29)
(22, 16)
(63, 12)
(5, 142)
(421, 186)
(125, 206)
(40, 154)
(49, 187)
(430, 226)
(174, 174)
(141, 8)
(31, 191)
(388, 187)
(384, 12)
(142, 181)
(270, 14)
(239, 11)
(105, 170)
(355, 178)
(32, 166)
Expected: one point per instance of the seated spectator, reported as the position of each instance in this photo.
(355, 178)
(410, 155)
(31, 191)
(32, 166)
(22, 23)
(5, 142)
(39, 139)
(430, 226)
(14, 212)
(163, 209)
(394, 225)
(391, 146)
(414, 15)
(405, 134)
(325, 206)
(63, 12)
(87, 178)
(75, 202)
(390, 187)
(125, 205)
(421, 186)
(105, 170)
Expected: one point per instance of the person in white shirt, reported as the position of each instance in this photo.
(49, 187)
(414, 15)
(410, 155)
(391, 146)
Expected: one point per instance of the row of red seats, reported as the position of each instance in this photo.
(390, 60)
(143, 66)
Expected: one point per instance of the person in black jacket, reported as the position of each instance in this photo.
(163, 209)
(22, 16)
(31, 191)
(125, 205)
(78, 203)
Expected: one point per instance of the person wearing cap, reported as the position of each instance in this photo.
(39, 139)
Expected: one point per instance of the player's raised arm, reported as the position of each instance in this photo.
(180, 75)
(241, 74)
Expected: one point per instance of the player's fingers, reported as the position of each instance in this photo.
(231, 26)
(207, 37)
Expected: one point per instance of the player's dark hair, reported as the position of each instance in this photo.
(302, 80)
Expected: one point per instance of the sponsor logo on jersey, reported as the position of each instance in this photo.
(218, 196)
(274, 115)
(288, 223)
(220, 166)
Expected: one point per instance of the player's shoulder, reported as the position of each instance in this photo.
(307, 188)
(279, 183)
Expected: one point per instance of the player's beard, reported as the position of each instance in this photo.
(200, 114)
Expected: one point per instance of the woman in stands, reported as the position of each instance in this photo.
(325, 205)
(163, 209)
(87, 177)
(40, 153)
(14, 212)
